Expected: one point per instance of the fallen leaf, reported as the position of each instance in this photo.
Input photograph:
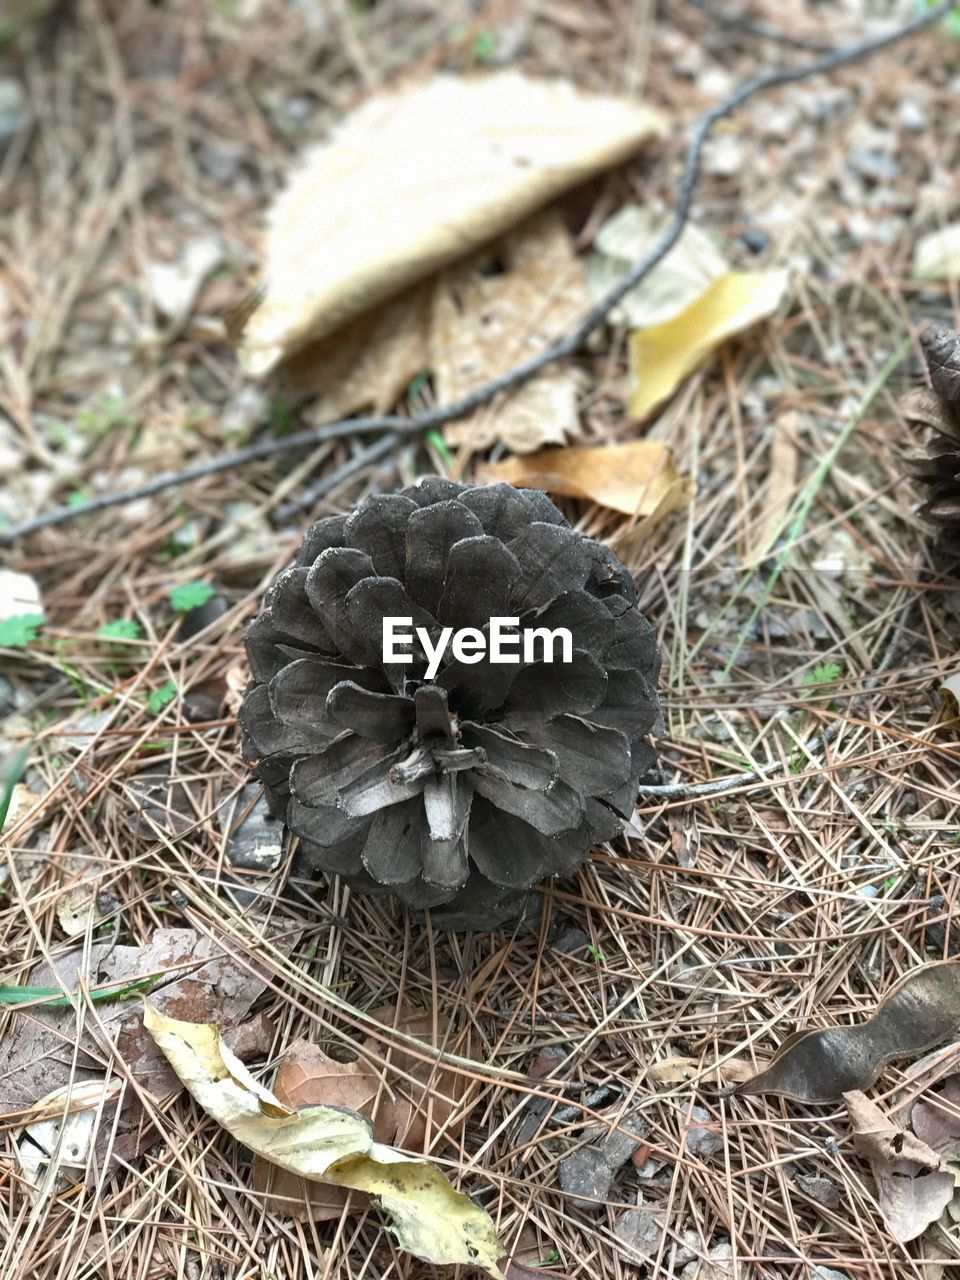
(366, 216)
(662, 355)
(935, 1119)
(937, 256)
(914, 1185)
(635, 478)
(821, 1066)
(368, 363)
(421, 1096)
(308, 1077)
(464, 325)
(672, 1071)
(781, 481)
(206, 982)
(672, 285)
(53, 1149)
(323, 1143)
(484, 323)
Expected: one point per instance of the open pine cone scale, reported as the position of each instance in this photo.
(937, 467)
(466, 789)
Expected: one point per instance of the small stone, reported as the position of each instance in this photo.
(878, 166)
(13, 109)
(586, 1178)
(716, 1266)
(911, 115)
(702, 1141)
(827, 1273)
(173, 286)
(755, 241)
(638, 1234)
(824, 1190)
(257, 843)
(571, 940)
(220, 160)
(205, 615)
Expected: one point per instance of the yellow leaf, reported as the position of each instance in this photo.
(662, 355)
(329, 1144)
(412, 181)
(637, 478)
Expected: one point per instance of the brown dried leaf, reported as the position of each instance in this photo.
(936, 1119)
(365, 217)
(305, 1078)
(205, 983)
(914, 1185)
(483, 324)
(637, 478)
(423, 1107)
(821, 1066)
(672, 1071)
(466, 324)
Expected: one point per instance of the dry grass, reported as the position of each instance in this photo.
(791, 902)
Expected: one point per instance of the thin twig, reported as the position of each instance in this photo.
(566, 346)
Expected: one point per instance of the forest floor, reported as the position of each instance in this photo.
(675, 962)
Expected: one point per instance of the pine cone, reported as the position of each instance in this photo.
(937, 467)
(459, 792)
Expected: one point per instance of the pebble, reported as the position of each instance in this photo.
(13, 109)
(911, 115)
(220, 160)
(878, 166)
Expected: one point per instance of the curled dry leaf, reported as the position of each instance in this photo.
(662, 355)
(365, 217)
(329, 1144)
(914, 1185)
(821, 1066)
(637, 478)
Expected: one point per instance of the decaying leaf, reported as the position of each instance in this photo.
(937, 256)
(672, 1071)
(366, 216)
(637, 478)
(465, 324)
(54, 1147)
(484, 323)
(323, 1143)
(914, 1185)
(672, 285)
(922, 1010)
(662, 355)
(204, 982)
(308, 1077)
(935, 1119)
